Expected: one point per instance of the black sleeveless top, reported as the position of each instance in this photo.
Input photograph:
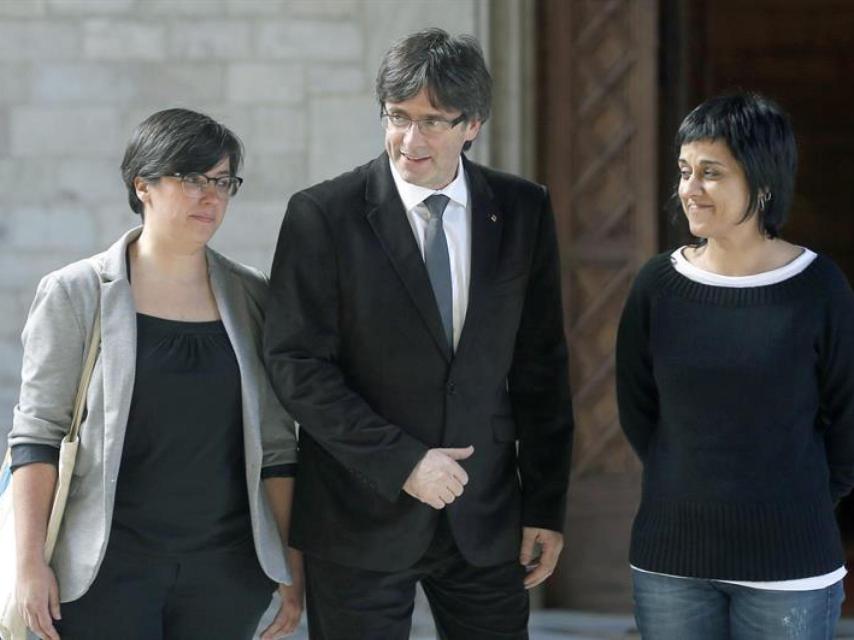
(182, 482)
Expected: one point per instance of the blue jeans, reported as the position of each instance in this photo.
(690, 608)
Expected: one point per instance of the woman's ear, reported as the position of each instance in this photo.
(141, 188)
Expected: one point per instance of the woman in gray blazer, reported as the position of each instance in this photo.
(168, 533)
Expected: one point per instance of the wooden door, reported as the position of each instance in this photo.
(597, 148)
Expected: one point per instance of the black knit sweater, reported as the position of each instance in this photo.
(740, 404)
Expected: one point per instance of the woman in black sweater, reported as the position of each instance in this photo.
(735, 381)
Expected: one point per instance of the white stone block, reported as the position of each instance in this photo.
(388, 21)
(90, 7)
(178, 84)
(11, 356)
(25, 181)
(22, 297)
(310, 40)
(11, 320)
(23, 8)
(42, 131)
(113, 219)
(37, 40)
(14, 83)
(4, 128)
(105, 39)
(251, 224)
(278, 130)
(132, 116)
(228, 242)
(82, 82)
(90, 180)
(9, 388)
(210, 40)
(209, 8)
(6, 406)
(254, 83)
(56, 227)
(273, 177)
(256, 7)
(237, 117)
(21, 271)
(325, 8)
(15, 304)
(344, 132)
(337, 79)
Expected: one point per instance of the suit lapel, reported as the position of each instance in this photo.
(231, 303)
(118, 344)
(487, 223)
(388, 219)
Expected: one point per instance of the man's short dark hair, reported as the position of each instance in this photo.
(177, 141)
(452, 69)
(760, 137)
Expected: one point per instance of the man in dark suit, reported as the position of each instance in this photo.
(415, 332)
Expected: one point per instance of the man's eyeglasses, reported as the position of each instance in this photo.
(193, 184)
(427, 126)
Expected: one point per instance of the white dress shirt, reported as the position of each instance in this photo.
(456, 222)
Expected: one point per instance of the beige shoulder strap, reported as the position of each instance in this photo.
(86, 376)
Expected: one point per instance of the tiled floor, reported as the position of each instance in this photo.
(568, 625)
(545, 625)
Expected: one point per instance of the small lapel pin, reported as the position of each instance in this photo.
(493, 217)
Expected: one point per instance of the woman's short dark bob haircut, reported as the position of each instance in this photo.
(452, 69)
(177, 141)
(759, 135)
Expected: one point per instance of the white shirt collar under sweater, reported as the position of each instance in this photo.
(695, 273)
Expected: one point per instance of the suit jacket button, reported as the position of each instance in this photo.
(451, 388)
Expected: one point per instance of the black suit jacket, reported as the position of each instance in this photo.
(356, 351)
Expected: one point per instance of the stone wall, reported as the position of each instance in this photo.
(292, 78)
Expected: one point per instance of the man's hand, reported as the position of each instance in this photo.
(551, 543)
(438, 479)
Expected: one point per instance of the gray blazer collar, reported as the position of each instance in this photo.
(112, 263)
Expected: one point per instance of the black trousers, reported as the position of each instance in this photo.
(468, 603)
(204, 596)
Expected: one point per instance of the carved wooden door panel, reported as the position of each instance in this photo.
(597, 134)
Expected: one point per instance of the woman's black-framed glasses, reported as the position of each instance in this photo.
(194, 184)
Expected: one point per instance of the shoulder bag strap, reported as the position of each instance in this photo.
(86, 376)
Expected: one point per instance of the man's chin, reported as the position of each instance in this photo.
(414, 175)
